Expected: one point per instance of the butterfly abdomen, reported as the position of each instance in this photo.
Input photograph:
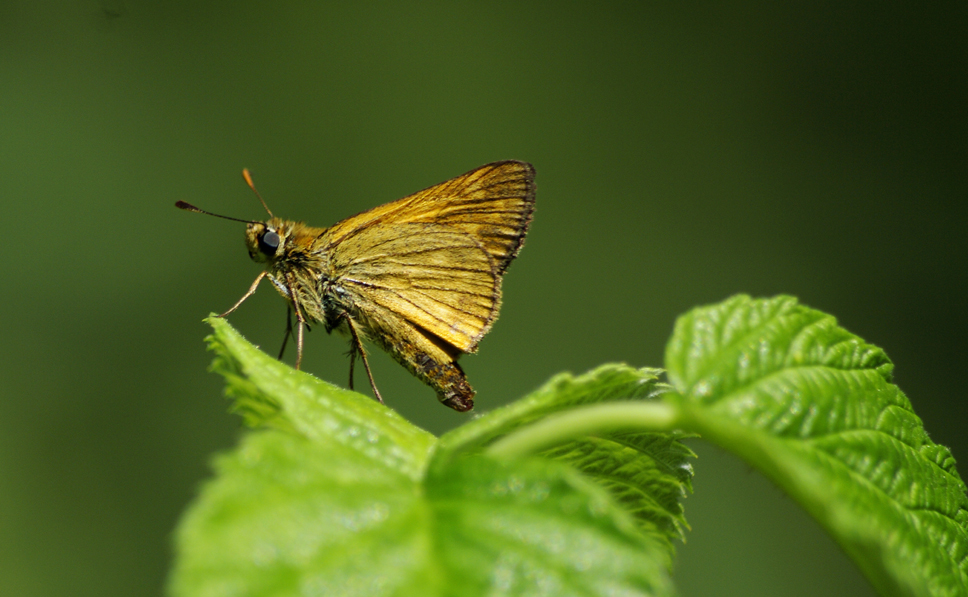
(447, 379)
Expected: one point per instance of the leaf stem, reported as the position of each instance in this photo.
(589, 420)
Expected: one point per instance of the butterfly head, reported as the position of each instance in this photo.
(265, 240)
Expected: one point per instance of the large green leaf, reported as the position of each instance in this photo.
(646, 472)
(332, 495)
(535, 527)
(607, 383)
(813, 407)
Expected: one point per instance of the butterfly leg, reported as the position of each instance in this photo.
(246, 295)
(300, 323)
(357, 347)
(352, 354)
(285, 338)
(299, 338)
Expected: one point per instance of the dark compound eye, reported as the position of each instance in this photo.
(269, 242)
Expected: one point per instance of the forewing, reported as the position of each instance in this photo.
(493, 204)
(436, 277)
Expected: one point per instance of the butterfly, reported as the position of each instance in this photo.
(420, 277)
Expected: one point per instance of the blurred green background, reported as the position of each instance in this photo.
(685, 152)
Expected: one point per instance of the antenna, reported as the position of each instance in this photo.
(190, 207)
(248, 181)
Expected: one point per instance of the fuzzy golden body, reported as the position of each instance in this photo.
(420, 277)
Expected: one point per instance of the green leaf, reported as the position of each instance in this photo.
(289, 516)
(535, 527)
(605, 384)
(269, 392)
(812, 407)
(648, 473)
(332, 495)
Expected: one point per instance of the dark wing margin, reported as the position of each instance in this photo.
(493, 203)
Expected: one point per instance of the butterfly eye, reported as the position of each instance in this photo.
(269, 242)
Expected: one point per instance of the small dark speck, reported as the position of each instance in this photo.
(113, 9)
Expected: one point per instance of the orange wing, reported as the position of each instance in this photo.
(436, 258)
(493, 204)
(436, 278)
